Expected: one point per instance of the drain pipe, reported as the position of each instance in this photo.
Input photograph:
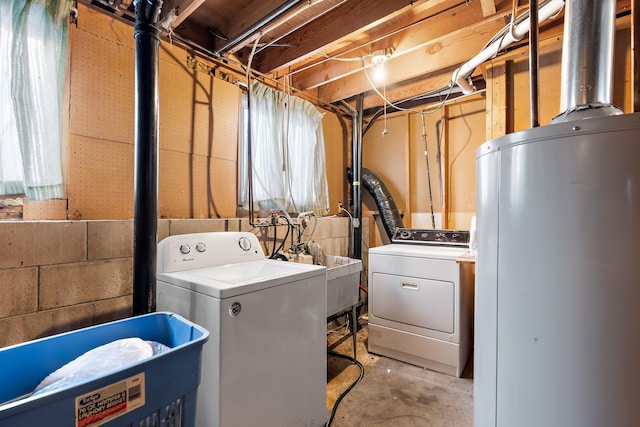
(534, 105)
(501, 41)
(357, 177)
(587, 60)
(145, 221)
(356, 172)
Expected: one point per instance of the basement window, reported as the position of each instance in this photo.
(288, 158)
(33, 43)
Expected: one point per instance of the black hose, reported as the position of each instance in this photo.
(344, 393)
(384, 201)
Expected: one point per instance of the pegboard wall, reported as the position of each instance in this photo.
(199, 116)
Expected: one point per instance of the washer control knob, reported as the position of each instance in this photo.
(244, 243)
(201, 247)
(185, 249)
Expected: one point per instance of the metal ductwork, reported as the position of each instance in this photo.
(587, 60)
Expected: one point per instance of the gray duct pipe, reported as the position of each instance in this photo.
(145, 212)
(587, 60)
(258, 26)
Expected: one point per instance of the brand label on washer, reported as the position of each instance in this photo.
(105, 404)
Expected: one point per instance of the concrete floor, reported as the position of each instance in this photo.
(394, 393)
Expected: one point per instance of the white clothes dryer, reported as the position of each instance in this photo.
(421, 300)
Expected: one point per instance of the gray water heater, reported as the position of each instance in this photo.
(557, 310)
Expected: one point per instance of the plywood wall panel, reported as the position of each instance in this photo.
(223, 196)
(385, 156)
(176, 106)
(466, 134)
(49, 209)
(102, 88)
(93, 22)
(196, 187)
(100, 179)
(174, 180)
(205, 117)
(420, 198)
(226, 102)
(337, 137)
(549, 87)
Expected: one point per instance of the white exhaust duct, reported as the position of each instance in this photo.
(500, 42)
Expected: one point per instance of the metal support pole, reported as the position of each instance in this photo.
(145, 221)
(534, 103)
(357, 173)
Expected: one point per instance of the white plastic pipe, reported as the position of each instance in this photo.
(461, 74)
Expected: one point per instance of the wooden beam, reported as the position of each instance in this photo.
(488, 7)
(635, 53)
(423, 36)
(177, 11)
(284, 25)
(455, 48)
(410, 89)
(252, 13)
(496, 104)
(429, 55)
(362, 16)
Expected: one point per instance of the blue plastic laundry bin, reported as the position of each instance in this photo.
(157, 392)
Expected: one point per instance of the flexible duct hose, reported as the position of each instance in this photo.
(384, 200)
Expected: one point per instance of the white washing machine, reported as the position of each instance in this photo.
(265, 362)
(421, 300)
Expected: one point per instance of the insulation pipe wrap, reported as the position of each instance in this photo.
(460, 75)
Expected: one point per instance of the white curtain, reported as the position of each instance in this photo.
(288, 157)
(33, 43)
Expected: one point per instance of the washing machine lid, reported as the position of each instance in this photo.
(422, 251)
(231, 280)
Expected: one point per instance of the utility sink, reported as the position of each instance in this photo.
(343, 283)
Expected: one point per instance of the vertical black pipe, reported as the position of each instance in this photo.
(145, 214)
(357, 173)
(533, 63)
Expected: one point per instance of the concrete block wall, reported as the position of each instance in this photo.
(57, 276)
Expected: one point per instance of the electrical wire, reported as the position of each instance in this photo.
(344, 393)
(449, 89)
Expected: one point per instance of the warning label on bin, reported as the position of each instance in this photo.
(105, 404)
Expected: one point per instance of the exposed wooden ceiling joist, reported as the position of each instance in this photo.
(428, 34)
(344, 20)
(174, 12)
(451, 39)
(488, 7)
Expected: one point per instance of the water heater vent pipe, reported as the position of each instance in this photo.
(587, 60)
(461, 74)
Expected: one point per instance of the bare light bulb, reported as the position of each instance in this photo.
(378, 72)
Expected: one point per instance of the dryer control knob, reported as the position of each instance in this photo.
(185, 249)
(244, 243)
(201, 247)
